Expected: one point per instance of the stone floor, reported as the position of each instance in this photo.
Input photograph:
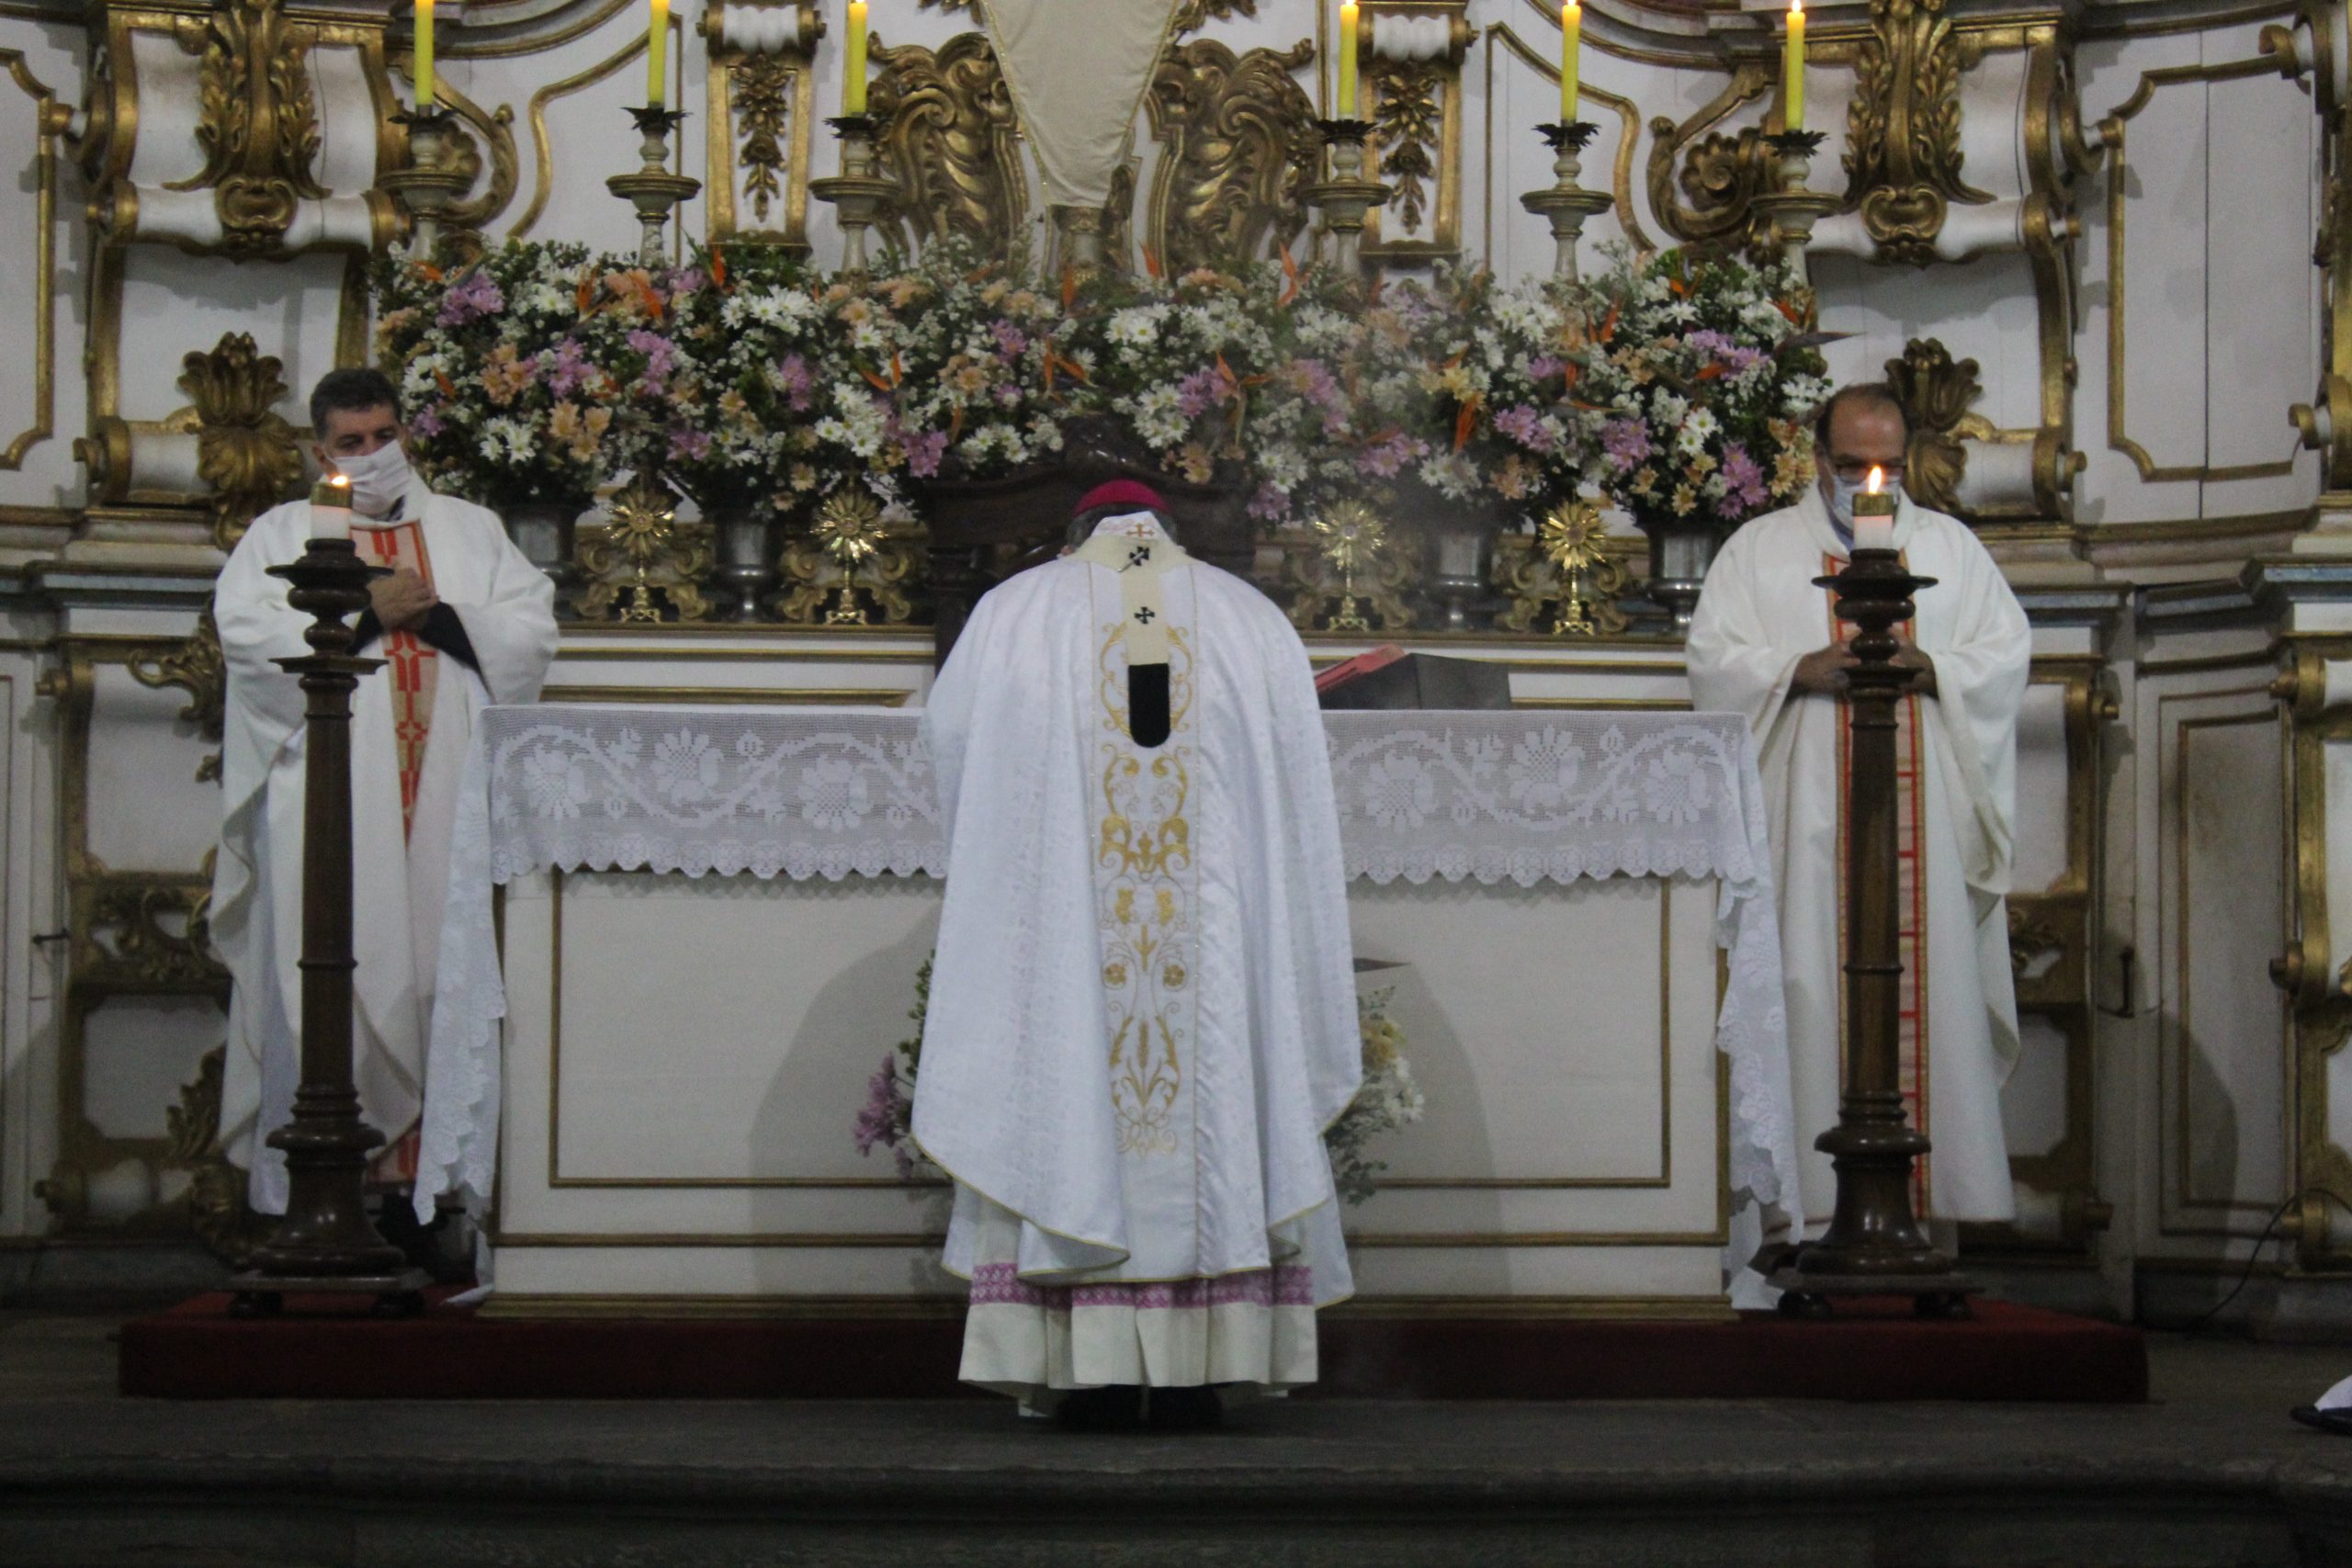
(2211, 1472)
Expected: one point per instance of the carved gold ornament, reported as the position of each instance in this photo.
(1405, 127)
(216, 1192)
(949, 142)
(849, 550)
(1346, 553)
(1719, 175)
(198, 667)
(1564, 566)
(1240, 149)
(644, 550)
(1903, 153)
(1192, 16)
(1935, 391)
(245, 450)
(762, 96)
(255, 120)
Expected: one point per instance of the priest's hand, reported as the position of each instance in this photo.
(1908, 657)
(1823, 671)
(401, 600)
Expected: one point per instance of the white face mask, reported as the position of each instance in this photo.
(378, 480)
(1842, 492)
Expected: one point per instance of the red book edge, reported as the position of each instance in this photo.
(1363, 664)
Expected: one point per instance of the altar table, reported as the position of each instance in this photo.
(712, 919)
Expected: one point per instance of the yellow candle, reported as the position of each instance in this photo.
(1792, 71)
(853, 61)
(1571, 51)
(657, 56)
(424, 54)
(1348, 61)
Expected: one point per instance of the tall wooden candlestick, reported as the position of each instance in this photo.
(325, 1242)
(1873, 1247)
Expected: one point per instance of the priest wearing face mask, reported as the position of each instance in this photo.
(1766, 643)
(463, 619)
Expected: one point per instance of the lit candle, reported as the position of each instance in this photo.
(657, 56)
(1347, 60)
(1792, 71)
(1874, 515)
(424, 54)
(1571, 48)
(853, 61)
(331, 508)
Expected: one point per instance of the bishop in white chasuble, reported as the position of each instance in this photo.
(1758, 618)
(487, 636)
(1142, 1012)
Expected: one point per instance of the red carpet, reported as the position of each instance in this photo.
(2006, 1352)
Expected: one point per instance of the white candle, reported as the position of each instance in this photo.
(1874, 515)
(331, 508)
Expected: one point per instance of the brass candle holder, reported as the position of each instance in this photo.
(860, 193)
(326, 1243)
(1347, 197)
(1873, 1246)
(1791, 211)
(653, 188)
(432, 183)
(1566, 204)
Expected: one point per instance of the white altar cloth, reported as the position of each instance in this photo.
(832, 792)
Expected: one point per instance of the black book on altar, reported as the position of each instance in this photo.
(1418, 681)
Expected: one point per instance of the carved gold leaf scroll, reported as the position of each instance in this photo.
(1406, 130)
(1241, 150)
(1192, 16)
(1903, 153)
(245, 451)
(255, 120)
(1935, 391)
(1719, 175)
(198, 667)
(949, 142)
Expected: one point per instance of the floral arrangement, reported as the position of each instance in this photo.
(1388, 1101)
(1679, 384)
(1702, 373)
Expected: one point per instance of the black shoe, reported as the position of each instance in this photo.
(2337, 1421)
(1185, 1409)
(1118, 1408)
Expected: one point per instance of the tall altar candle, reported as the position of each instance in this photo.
(1792, 71)
(853, 61)
(423, 54)
(1571, 51)
(1874, 515)
(1348, 61)
(331, 508)
(657, 56)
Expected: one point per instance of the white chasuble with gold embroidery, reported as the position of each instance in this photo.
(410, 723)
(1956, 788)
(1142, 1009)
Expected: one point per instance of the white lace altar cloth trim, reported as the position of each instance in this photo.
(802, 792)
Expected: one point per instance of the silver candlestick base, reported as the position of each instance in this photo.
(654, 190)
(860, 193)
(1566, 204)
(431, 183)
(1791, 211)
(1346, 198)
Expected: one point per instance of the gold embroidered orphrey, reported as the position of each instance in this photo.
(1148, 889)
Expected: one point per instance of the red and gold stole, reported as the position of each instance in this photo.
(412, 662)
(1911, 896)
(411, 665)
